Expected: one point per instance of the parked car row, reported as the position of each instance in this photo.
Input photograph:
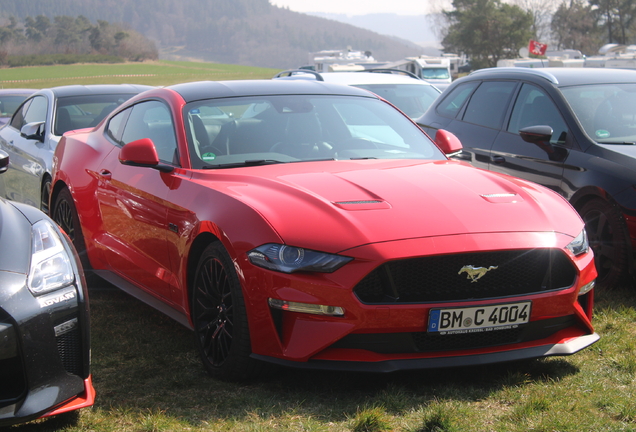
(300, 222)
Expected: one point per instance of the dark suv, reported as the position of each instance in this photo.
(570, 129)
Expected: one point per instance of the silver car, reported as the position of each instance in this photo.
(38, 124)
(406, 91)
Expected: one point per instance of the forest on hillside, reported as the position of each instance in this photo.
(64, 39)
(248, 32)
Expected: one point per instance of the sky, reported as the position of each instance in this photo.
(361, 7)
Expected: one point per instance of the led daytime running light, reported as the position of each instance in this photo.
(306, 308)
(587, 288)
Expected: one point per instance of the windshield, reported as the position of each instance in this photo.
(607, 112)
(412, 99)
(435, 73)
(242, 131)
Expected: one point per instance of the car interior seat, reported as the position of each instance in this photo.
(63, 122)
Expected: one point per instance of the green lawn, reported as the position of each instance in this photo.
(148, 378)
(157, 73)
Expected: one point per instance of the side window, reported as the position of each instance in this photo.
(116, 125)
(153, 120)
(488, 104)
(451, 104)
(33, 110)
(36, 111)
(532, 108)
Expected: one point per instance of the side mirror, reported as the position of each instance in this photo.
(535, 134)
(4, 161)
(33, 131)
(448, 142)
(142, 153)
(540, 136)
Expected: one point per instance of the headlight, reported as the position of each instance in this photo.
(51, 266)
(580, 244)
(289, 259)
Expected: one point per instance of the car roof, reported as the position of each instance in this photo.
(81, 90)
(17, 91)
(561, 77)
(220, 89)
(361, 78)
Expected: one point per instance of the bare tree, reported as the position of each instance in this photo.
(542, 12)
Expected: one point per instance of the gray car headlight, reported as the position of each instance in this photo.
(579, 245)
(289, 259)
(51, 267)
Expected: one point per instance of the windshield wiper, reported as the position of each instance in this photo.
(250, 162)
(617, 143)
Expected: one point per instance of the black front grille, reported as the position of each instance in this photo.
(426, 342)
(69, 346)
(439, 278)
(12, 377)
(422, 342)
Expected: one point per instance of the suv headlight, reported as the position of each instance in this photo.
(289, 259)
(579, 245)
(51, 266)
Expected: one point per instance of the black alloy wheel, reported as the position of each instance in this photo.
(607, 234)
(45, 193)
(65, 215)
(219, 318)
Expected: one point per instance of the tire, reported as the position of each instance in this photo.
(607, 234)
(220, 320)
(45, 193)
(65, 215)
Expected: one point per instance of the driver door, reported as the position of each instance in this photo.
(541, 163)
(132, 201)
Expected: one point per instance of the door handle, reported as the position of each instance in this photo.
(499, 160)
(106, 174)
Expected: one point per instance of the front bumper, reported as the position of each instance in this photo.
(564, 348)
(384, 336)
(44, 351)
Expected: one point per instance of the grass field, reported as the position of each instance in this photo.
(157, 73)
(148, 378)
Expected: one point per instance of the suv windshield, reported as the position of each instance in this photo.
(274, 129)
(607, 112)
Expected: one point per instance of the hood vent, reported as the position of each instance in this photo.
(498, 198)
(362, 205)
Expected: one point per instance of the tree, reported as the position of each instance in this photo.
(617, 17)
(542, 12)
(574, 27)
(35, 29)
(486, 30)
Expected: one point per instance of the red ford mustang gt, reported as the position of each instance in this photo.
(314, 225)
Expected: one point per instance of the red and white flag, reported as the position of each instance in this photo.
(537, 48)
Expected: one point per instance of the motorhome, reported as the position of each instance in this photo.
(436, 70)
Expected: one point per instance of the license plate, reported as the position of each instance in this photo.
(478, 319)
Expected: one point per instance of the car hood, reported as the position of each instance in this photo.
(333, 206)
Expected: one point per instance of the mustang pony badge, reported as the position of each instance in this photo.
(475, 273)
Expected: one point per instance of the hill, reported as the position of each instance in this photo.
(245, 32)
